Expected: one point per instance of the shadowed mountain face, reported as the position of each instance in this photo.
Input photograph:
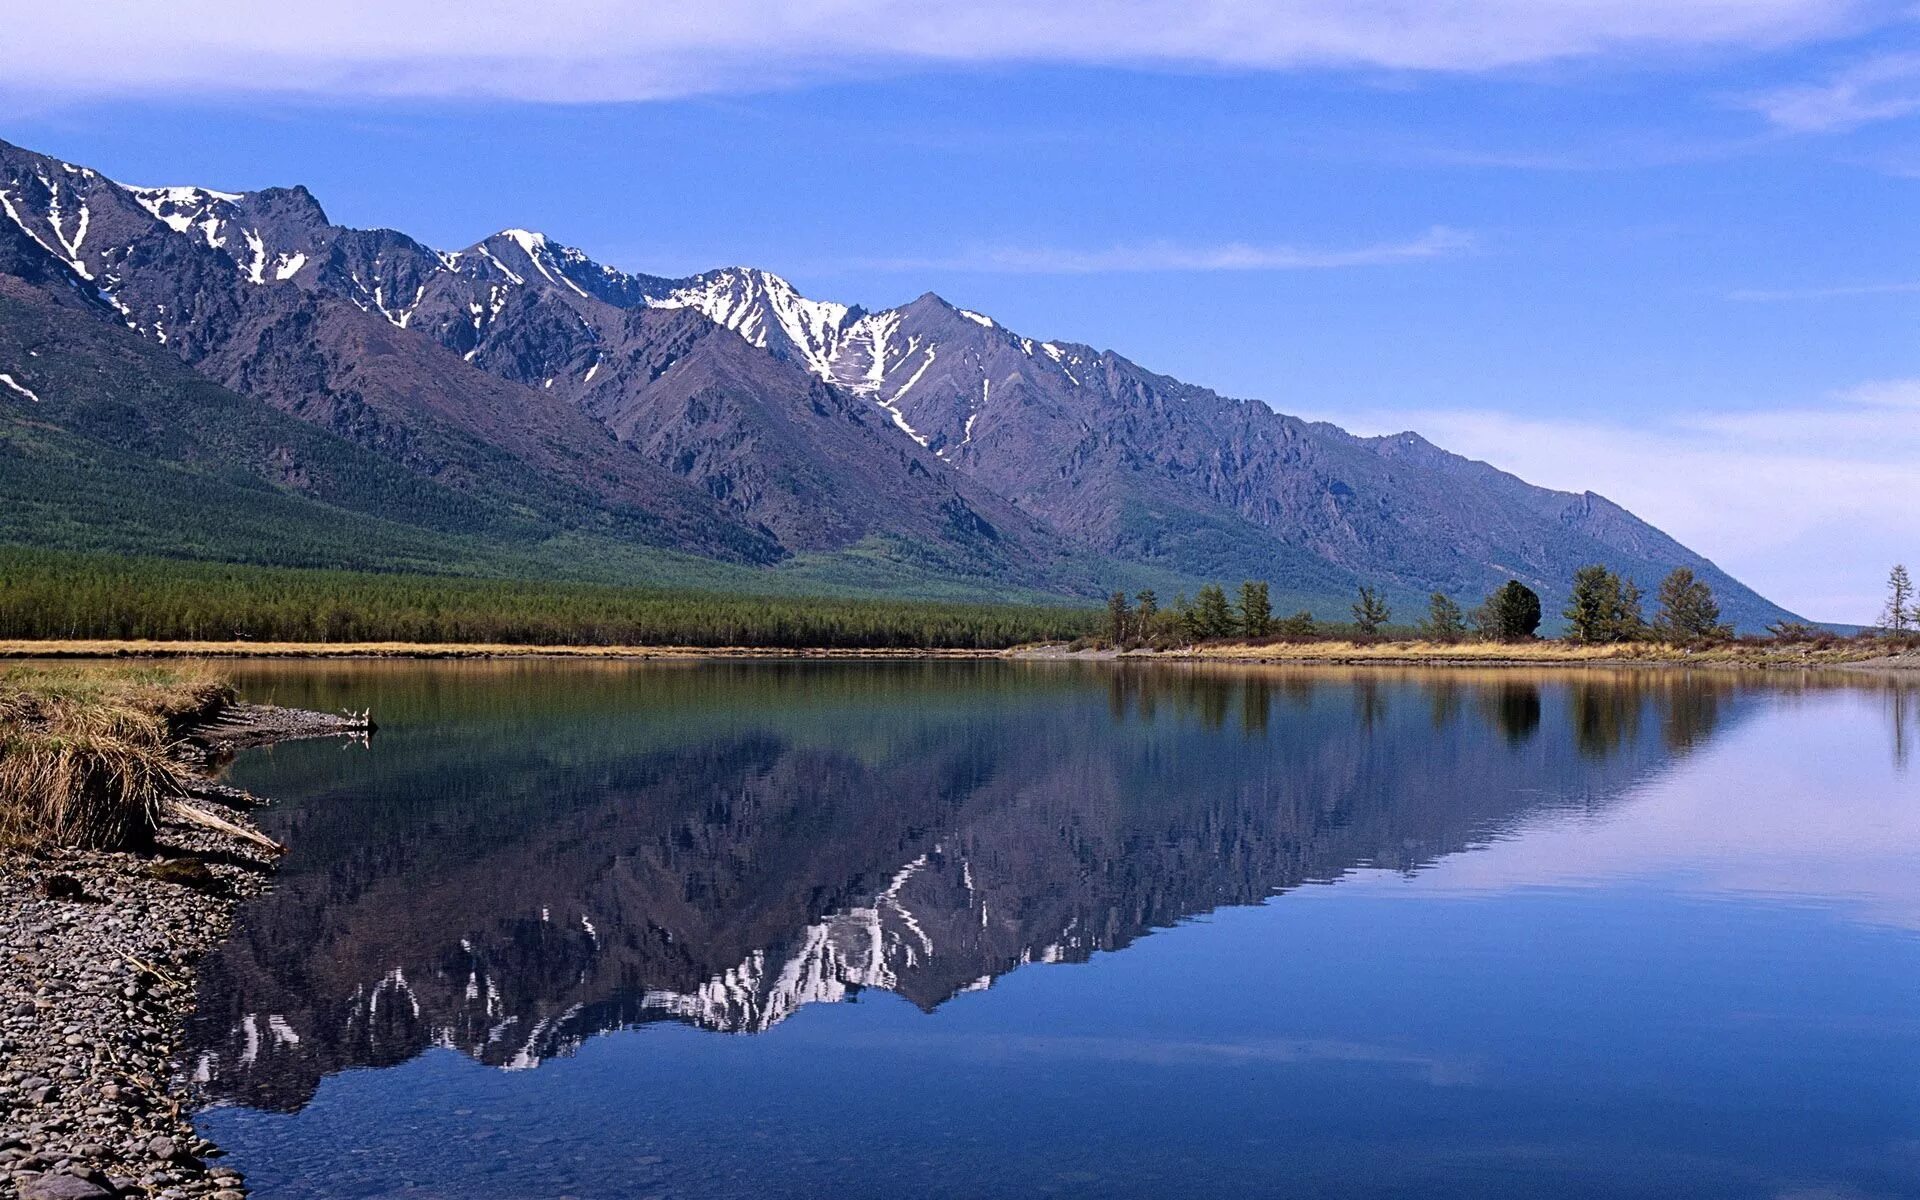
(530, 855)
(729, 416)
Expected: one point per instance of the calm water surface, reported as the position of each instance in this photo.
(982, 930)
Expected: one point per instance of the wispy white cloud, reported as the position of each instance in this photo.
(620, 50)
(1881, 88)
(1809, 505)
(1438, 242)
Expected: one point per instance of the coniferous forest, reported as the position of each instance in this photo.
(51, 594)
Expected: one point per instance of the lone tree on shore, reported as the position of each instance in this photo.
(1445, 622)
(1370, 612)
(1256, 611)
(1688, 612)
(1604, 607)
(1511, 613)
(1900, 614)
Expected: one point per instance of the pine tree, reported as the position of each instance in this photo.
(1256, 611)
(1147, 613)
(1213, 618)
(1589, 611)
(1629, 619)
(1688, 611)
(1511, 613)
(1186, 617)
(1604, 608)
(1370, 612)
(1299, 625)
(1445, 622)
(1900, 616)
(1117, 618)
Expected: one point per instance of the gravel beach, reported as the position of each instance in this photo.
(97, 954)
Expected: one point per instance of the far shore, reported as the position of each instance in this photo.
(1790, 656)
(102, 648)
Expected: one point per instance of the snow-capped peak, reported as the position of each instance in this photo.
(529, 241)
(186, 208)
(550, 260)
(768, 311)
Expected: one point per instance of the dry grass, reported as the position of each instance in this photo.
(85, 752)
(1531, 653)
(95, 793)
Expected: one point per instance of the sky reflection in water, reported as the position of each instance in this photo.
(883, 930)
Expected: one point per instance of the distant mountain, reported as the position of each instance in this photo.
(729, 417)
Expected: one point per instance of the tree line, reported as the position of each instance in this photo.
(58, 594)
(1604, 607)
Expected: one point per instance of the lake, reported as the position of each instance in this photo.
(985, 929)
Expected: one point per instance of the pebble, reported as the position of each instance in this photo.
(91, 1105)
(63, 1187)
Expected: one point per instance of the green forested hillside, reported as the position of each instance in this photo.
(128, 451)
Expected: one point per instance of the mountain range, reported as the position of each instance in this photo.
(204, 373)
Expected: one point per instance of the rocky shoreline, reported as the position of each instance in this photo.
(97, 954)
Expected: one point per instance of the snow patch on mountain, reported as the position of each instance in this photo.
(767, 311)
(183, 208)
(16, 386)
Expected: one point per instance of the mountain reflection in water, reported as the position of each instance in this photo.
(530, 854)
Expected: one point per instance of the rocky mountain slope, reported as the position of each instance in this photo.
(728, 416)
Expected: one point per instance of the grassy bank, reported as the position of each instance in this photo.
(1753, 651)
(54, 595)
(1827, 652)
(85, 751)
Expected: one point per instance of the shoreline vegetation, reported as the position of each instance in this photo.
(64, 605)
(1860, 651)
(121, 863)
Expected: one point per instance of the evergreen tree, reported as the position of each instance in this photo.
(1370, 612)
(1118, 622)
(1511, 613)
(1187, 618)
(1147, 614)
(1299, 625)
(1445, 622)
(1213, 617)
(1688, 611)
(1589, 610)
(1630, 621)
(1256, 611)
(1604, 608)
(1899, 616)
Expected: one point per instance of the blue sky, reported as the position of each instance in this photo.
(1667, 253)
